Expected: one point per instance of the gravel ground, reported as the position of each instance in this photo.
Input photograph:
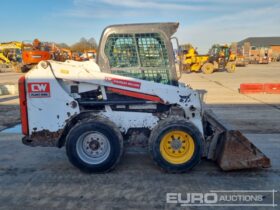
(42, 178)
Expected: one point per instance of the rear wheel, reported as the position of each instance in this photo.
(176, 145)
(207, 68)
(187, 68)
(230, 67)
(95, 145)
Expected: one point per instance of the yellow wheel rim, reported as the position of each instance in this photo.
(207, 69)
(177, 147)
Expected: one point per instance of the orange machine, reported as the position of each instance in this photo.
(76, 56)
(63, 54)
(33, 53)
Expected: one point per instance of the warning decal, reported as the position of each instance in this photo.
(123, 82)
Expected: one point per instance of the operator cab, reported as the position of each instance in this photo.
(147, 55)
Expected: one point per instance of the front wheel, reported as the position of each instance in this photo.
(207, 68)
(187, 68)
(176, 145)
(95, 145)
(231, 66)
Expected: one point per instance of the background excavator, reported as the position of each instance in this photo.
(23, 56)
(131, 97)
(33, 53)
(4, 59)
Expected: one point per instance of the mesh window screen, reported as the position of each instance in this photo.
(154, 56)
(152, 50)
(142, 56)
(121, 51)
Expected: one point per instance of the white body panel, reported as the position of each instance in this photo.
(126, 120)
(48, 113)
(52, 113)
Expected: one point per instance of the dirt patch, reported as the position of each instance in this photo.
(9, 116)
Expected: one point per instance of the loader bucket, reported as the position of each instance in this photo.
(229, 147)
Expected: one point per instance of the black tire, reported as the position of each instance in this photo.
(186, 68)
(163, 128)
(104, 127)
(24, 68)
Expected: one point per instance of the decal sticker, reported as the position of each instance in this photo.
(39, 90)
(64, 71)
(36, 56)
(123, 82)
(185, 99)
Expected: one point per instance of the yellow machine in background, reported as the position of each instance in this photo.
(3, 59)
(192, 61)
(219, 57)
(240, 60)
(10, 52)
(222, 58)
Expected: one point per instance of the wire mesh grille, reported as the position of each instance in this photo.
(142, 56)
(152, 50)
(121, 51)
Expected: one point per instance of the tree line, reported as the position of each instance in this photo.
(81, 46)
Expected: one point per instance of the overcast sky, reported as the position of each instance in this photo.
(202, 22)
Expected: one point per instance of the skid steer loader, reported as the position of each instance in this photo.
(131, 98)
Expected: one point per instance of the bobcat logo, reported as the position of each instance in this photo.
(185, 99)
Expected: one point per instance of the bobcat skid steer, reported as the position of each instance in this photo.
(131, 97)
